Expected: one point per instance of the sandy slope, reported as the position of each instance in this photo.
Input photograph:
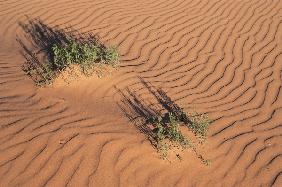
(223, 57)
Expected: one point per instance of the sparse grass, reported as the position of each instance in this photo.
(63, 49)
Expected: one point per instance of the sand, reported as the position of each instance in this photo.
(222, 57)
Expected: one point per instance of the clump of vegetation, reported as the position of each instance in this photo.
(110, 56)
(62, 49)
(167, 128)
(84, 54)
(198, 123)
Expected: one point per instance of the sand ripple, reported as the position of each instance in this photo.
(223, 57)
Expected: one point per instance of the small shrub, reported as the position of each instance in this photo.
(83, 54)
(62, 50)
(74, 53)
(167, 128)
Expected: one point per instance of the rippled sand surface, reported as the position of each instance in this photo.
(222, 57)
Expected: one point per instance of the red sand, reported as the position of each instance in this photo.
(223, 57)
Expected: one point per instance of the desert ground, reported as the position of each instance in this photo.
(220, 57)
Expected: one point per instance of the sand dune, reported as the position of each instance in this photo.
(222, 57)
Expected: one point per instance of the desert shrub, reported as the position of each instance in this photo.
(83, 54)
(64, 48)
(166, 127)
(75, 53)
(163, 123)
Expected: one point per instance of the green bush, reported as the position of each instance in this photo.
(166, 127)
(85, 53)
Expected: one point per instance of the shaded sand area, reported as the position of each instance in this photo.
(222, 57)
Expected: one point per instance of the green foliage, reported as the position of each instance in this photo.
(83, 54)
(167, 128)
(74, 53)
(110, 55)
(199, 124)
(87, 53)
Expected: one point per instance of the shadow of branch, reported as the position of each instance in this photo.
(141, 113)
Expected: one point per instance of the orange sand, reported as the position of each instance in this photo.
(223, 57)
